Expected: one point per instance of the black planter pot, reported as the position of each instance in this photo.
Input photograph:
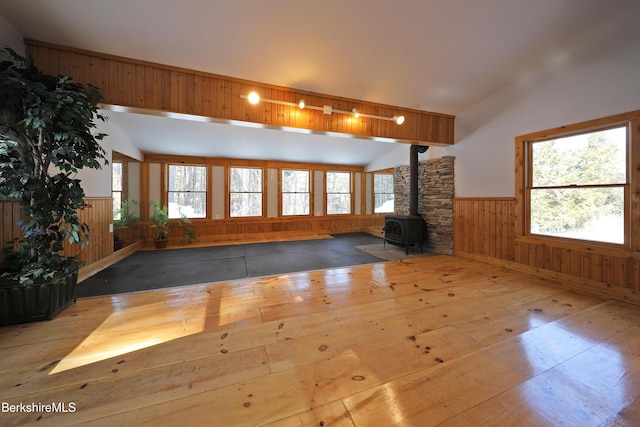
(39, 301)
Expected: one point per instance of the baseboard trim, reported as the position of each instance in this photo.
(91, 269)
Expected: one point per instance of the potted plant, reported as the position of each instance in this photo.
(189, 231)
(122, 217)
(160, 219)
(46, 136)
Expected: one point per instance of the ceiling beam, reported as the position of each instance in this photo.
(145, 86)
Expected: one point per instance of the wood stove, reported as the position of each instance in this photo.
(404, 231)
(408, 230)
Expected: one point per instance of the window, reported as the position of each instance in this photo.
(383, 192)
(245, 192)
(295, 192)
(338, 193)
(578, 185)
(116, 187)
(187, 193)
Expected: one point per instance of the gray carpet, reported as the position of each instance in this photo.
(149, 270)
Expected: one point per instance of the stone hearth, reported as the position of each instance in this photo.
(435, 200)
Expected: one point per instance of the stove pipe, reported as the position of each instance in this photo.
(413, 177)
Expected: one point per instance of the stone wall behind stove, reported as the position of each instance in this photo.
(435, 200)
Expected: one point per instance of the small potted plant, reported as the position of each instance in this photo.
(121, 219)
(160, 219)
(189, 231)
(46, 135)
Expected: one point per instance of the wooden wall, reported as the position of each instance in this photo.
(494, 230)
(234, 229)
(98, 216)
(484, 228)
(100, 246)
(10, 210)
(151, 87)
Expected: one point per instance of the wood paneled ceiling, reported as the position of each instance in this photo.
(430, 55)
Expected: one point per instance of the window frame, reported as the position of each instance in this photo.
(326, 192)
(308, 192)
(230, 193)
(205, 192)
(373, 191)
(524, 183)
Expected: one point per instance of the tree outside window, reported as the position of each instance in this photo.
(116, 187)
(295, 192)
(577, 186)
(338, 193)
(187, 193)
(245, 192)
(383, 192)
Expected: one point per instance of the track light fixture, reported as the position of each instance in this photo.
(254, 98)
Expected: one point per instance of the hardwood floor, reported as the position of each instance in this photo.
(426, 341)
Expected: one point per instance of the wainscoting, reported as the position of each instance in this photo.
(10, 211)
(98, 252)
(484, 229)
(229, 230)
(97, 214)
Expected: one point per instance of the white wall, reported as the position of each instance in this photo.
(116, 140)
(155, 184)
(396, 157)
(133, 186)
(11, 37)
(272, 192)
(218, 193)
(368, 193)
(357, 193)
(599, 79)
(318, 192)
(97, 183)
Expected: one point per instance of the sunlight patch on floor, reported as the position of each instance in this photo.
(131, 329)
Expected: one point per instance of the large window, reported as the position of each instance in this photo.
(187, 193)
(578, 185)
(383, 192)
(295, 192)
(338, 193)
(245, 192)
(117, 177)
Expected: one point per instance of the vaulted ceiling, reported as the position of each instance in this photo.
(434, 55)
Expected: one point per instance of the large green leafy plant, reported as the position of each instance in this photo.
(46, 135)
